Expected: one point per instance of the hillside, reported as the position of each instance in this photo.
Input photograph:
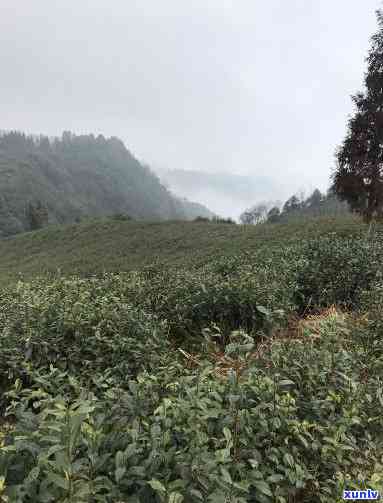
(94, 246)
(76, 177)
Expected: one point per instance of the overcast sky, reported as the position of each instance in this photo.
(243, 86)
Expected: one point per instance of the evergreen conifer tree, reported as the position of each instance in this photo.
(358, 178)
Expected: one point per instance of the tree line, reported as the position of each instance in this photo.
(297, 206)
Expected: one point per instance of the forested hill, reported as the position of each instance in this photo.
(63, 180)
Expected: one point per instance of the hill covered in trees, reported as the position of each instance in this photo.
(298, 206)
(63, 180)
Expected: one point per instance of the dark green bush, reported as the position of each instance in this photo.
(300, 424)
(121, 217)
(230, 297)
(333, 270)
(79, 325)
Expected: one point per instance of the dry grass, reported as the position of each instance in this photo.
(310, 326)
(299, 330)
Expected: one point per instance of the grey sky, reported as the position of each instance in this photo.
(244, 86)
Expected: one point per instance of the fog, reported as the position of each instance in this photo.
(250, 88)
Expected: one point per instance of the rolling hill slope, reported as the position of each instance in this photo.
(94, 246)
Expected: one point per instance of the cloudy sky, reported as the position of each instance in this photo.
(251, 87)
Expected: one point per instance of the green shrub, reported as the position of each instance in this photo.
(121, 217)
(224, 295)
(335, 270)
(80, 325)
(300, 424)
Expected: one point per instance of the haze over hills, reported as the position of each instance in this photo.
(226, 194)
(64, 180)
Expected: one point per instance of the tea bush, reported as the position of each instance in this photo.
(245, 291)
(336, 270)
(300, 424)
(79, 325)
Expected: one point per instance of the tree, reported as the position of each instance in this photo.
(37, 215)
(292, 204)
(246, 217)
(274, 215)
(314, 201)
(358, 178)
(254, 215)
(67, 137)
(44, 143)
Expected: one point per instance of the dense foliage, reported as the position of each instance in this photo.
(200, 383)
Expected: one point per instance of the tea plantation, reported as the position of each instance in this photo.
(199, 362)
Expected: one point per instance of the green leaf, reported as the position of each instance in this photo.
(303, 441)
(275, 478)
(218, 497)
(59, 481)
(120, 459)
(226, 475)
(227, 433)
(82, 491)
(175, 498)
(197, 494)
(157, 486)
(263, 310)
(33, 475)
(119, 473)
(263, 487)
(288, 459)
(286, 382)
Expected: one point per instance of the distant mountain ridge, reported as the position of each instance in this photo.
(73, 177)
(225, 193)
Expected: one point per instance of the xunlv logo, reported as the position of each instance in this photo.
(367, 494)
